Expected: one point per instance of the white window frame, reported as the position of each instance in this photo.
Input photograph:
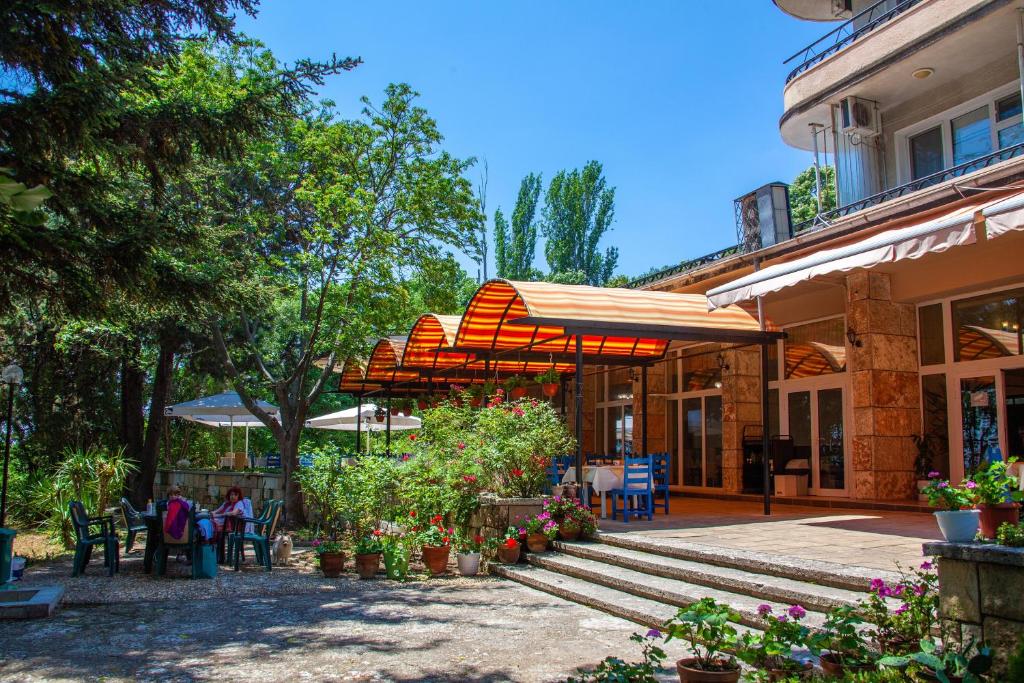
(956, 371)
(676, 365)
(904, 169)
(611, 407)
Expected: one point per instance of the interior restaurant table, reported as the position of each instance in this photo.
(601, 478)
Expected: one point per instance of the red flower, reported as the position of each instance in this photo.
(444, 541)
(511, 543)
(416, 527)
(412, 513)
(478, 539)
(517, 472)
(461, 446)
(435, 519)
(469, 478)
(412, 437)
(378, 532)
(405, 456)
(518, 412)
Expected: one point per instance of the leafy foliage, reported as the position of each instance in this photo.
(615, 670)
(706, 627)
(515, 245)
(803, 194)
(578, 211)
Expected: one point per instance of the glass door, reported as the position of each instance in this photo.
(817, 425)
(980, 419)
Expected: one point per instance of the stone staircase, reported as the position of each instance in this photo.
(642, 580)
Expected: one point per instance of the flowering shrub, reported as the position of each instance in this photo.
(705, 627)
(773, 647)
(435, 535)
(840, 635)
(994, 484)
(898, 631)
(542, 524)
(943, 495)
(569, 511)
(321, 546)
(466, 543)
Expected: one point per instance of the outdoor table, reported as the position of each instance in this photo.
(602, 478)
(155, 534)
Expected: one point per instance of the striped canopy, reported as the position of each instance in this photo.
(613, 322)
(810, 359)
(977, 343)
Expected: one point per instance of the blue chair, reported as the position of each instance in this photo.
(636, 486)
(659, 470)
(557, 469)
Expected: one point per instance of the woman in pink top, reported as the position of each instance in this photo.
(233, 506)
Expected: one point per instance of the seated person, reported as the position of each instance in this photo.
(233, 506)
(176, 519)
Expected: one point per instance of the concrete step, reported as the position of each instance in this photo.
(661, 589)
(818, 572)
(766, 587)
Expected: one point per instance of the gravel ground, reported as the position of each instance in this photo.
(294, 624)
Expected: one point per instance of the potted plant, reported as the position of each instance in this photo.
(922, 464)
(515, 386)
(995, 490)
(476, 395)
(540, 530)
(958, 525)
(705, 627)
(467, 552)
(1011, 535)
(396, 549)
(406, 406)
(841, 643)
(424, 402)
(898, 631)
(435, 541)
(964, 661)
(368, 550)
(549, 381)
(330, 556)
(771, 650)
(508, 548)
(379, 414)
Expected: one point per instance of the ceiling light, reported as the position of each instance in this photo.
(921, 74)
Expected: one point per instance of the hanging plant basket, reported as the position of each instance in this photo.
(550, 390)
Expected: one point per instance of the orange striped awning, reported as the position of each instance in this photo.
(613, 323)
(977, 343)
(811, 359)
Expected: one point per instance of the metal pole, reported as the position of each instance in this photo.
(579, 411)
(561, 399)
(359, 424)
(817, 169)
(765, 415)
(1020, 51)
(387, 442)
(643, 407)
(7, 455)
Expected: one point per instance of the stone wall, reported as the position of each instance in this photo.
(886, 393)
(210, 487)
(980, 595)
(741, 406)
(496, 515)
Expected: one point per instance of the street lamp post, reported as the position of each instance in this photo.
(12, 376)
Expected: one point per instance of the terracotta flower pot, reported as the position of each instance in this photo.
(550, 390)
(379, 418)
(407, 412)
(993, 516)
(688, 673)
(508, 555)
(567, 531)
(476, 401)
(517, 393)
(537, 543)
(830, 665)
(787, 674)
(394, 412)
(332, 564)
(436, 558)
(367, 565)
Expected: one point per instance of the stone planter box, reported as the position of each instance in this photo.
(980, 593)
(498, 514)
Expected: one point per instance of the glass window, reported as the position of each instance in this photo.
(624, 431)
(988, 326)
(981, 421)
(935, 445)
(930, 337)
(831, 454)
(1008, 107)
(799, 403)
(773, 413)
(693, 447)
(672, 438)
(1011, 135)
(1014, 406)
(972, 136)
(926, 153)
(610, 421)
(701, 371)
(598, 447)
(713, 439)
(815, 349)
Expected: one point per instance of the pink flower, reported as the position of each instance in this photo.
(934, 474)
(943, 485)
(654, 633)
(405, 457)
(877, 586)
(764, 610)
(783, 619)
(970, 485)
(919, 589)
(797, 612)
(902, 608)
(518, 412)
(926, 565)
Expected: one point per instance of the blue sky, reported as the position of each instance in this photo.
(679, 100)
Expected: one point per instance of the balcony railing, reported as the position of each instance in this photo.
(685, 266)
(825, 218)
(863, 22)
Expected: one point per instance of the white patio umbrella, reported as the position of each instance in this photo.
(221, 410)
(346, 421)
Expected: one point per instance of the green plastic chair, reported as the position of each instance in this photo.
(263, 531)
(188, 543)
(133, 524)
(86, 537)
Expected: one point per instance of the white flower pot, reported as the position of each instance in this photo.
(469, 563)
(958, 526)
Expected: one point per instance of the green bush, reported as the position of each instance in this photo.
(1011, 534)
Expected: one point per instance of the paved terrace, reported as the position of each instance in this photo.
(874, 539)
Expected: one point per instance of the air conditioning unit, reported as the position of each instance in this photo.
(857, 117)
(762, 217)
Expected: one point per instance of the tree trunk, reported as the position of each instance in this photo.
(141, 488)
(293, 504)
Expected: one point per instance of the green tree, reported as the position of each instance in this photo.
(803, 194)
(578, 211)
(515, 245)
(338, 208)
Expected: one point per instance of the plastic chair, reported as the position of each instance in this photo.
(261, 536)
(659, 473)
(133, 524)
(636, 485)
(187, 542)
(86, 538)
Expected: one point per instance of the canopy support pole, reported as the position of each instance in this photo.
(561, 399)
(765, 437)
(643, 407)
(247, 441)
(578, 424)
(387, 443)
(359, 424)
(231, 434)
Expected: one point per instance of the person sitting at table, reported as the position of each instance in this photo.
(176, 519)
(233, 506)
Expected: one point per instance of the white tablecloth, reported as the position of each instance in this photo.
(601, 478)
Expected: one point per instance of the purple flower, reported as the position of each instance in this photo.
(970, 484)
(782, 619)
(522, 530)
(797, 612)
(764, 610)
(934, 474)
(926, 565)
(919, 589)
(943, 484)
(902, 608)
(654, 633)
(877, 586)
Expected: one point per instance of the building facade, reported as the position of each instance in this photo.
(897, 353)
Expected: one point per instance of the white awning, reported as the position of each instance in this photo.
(1004, 216)
(952, 229)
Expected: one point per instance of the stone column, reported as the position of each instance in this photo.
(886, 394)
(741, 406)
